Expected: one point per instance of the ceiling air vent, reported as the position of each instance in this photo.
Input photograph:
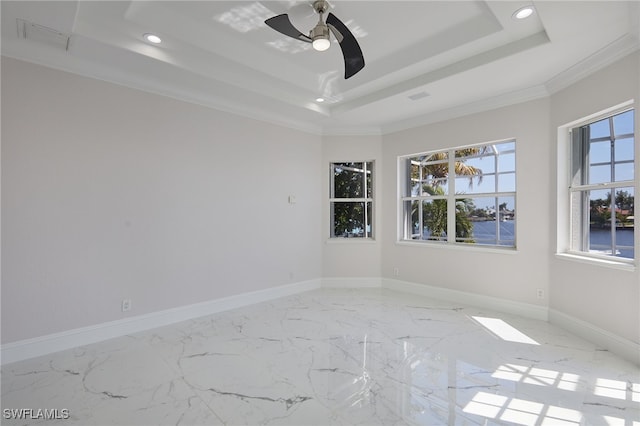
(418, 95)
(34, 32)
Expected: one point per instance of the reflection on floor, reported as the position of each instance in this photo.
(339, 357)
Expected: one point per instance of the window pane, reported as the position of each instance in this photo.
(369, 179)
(578, 226)
(429, 186)
(625, 247)
(348, 219)
(368, 228)
(434, 220)
(412, 215)
(476, 165)
(623, 171)
(624, 149)
(476, 221)
(507, 217)
(625, 202)
(600, 152)
(623, 123)
(472, 173)
(507, 163)
(434, 178)
(600, 129)
(348, 180)
(600, 241)
(600, 174)
(507, 182)
(413, 184)
(475, 185)
(427, 179)
(505, 147)
(610, 231)
(472, 217)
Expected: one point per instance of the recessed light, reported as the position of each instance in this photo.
(523, 12)
(319, 99)
(152, 38)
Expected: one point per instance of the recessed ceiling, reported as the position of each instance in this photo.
(425, 60)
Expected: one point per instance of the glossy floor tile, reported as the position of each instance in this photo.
(332, 357)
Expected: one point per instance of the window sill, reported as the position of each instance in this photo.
(463, 247)
(350, 241)
(574, 257)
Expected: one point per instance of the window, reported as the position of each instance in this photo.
(602, 187)
(351, 200)
(464, 195)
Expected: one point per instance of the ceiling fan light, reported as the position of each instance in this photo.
(321, 44)
(320, 37)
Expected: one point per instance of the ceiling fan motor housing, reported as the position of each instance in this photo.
(319, 31)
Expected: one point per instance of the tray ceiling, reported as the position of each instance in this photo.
(425, 60)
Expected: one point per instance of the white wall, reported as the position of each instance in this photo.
(352, 258)
(606, 297)
(600, 301)
(513, 275)
(111, 193)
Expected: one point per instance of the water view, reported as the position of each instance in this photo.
(503, 234)
(601, 242)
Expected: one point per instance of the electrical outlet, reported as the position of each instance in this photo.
(396, 271)
(540, 293)
(126, 305)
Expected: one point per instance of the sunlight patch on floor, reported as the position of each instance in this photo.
(504, 330)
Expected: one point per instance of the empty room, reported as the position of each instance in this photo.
(320, 212)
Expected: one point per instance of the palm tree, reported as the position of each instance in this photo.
(436, 166)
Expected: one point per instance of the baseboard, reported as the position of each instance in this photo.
(31, 348)
(488, 302)
(620, 346)
(625, 348)
(358, 282)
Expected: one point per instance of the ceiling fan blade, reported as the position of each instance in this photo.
(282, 24)
(353, 58)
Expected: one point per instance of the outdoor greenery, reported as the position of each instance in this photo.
(600, 211)
(353, 183)
(435, 168)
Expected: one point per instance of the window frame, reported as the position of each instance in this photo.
(577, 163)
(404, 236)
(369, 166)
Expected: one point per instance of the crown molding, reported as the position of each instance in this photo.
(233, 105)
(613, 52)
(609, 54)
(495, 102)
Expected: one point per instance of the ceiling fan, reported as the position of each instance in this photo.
(319, 36)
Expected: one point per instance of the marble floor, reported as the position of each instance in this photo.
(332, 357)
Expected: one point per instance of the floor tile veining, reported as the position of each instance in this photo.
(332, 357)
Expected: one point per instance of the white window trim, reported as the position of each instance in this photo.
(370, 238)
(451, 239)
(563, 185)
